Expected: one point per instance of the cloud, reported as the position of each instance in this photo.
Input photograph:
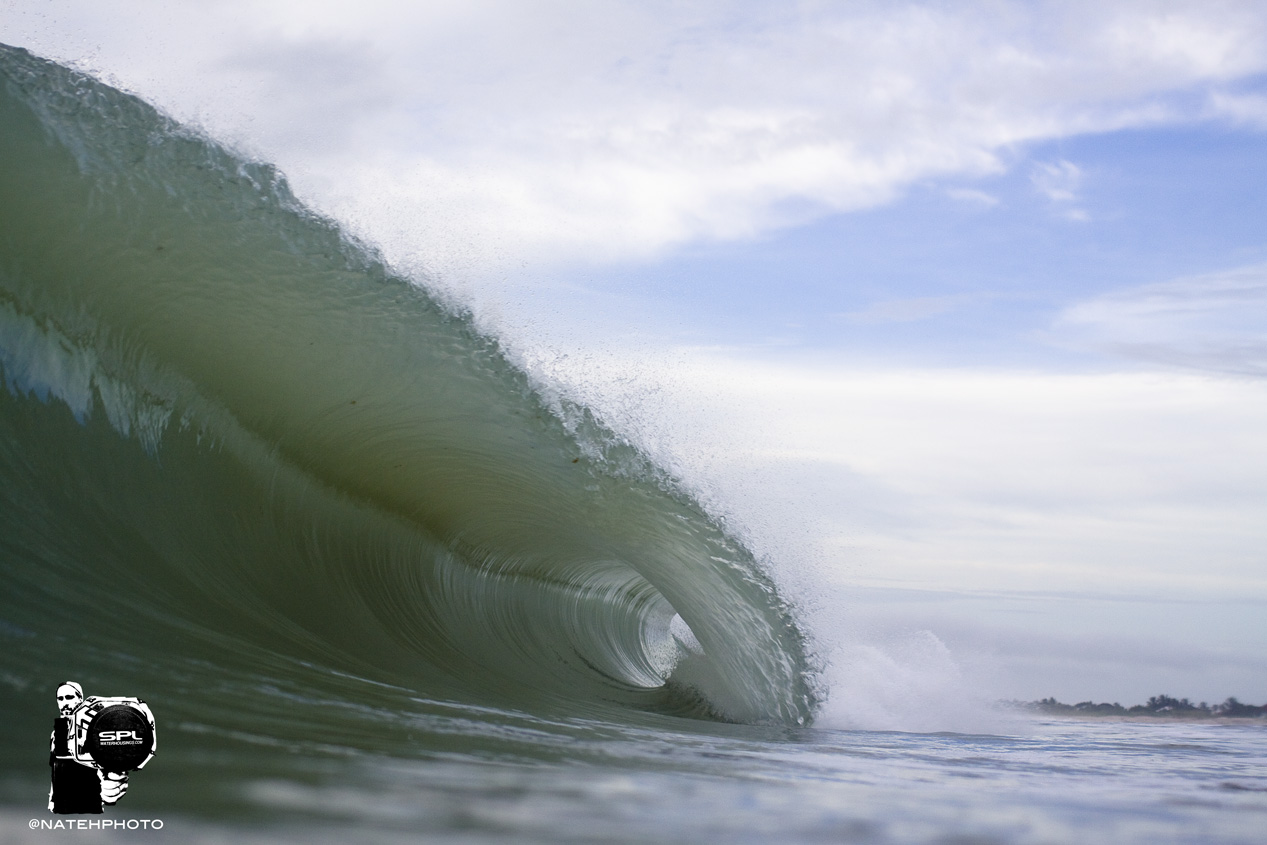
(1244, 109)
(1032, 645)
(1118, 483)
(910, 310)
(915, 309)
(973, 196)
(1060, 182)
(490, 133)
(1215, 322)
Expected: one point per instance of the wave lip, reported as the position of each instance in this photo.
(323, 450)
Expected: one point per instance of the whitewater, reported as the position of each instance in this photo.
(379, 584)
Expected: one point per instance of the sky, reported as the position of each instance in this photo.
(956, 312)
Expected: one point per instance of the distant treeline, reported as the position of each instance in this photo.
(1158, 705)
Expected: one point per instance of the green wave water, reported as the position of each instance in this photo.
(239, 453)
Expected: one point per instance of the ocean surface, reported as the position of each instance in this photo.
(378, 584)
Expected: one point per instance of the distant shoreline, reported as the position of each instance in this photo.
(1161, 708)
(1198, 719)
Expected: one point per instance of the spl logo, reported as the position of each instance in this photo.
(119, 738)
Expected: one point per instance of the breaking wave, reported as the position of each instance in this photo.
(232, 437)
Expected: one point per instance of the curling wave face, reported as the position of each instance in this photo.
(230, 433)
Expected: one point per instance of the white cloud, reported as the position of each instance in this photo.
(1080, 646)
(973, 196)
(1060, 182)
(1117, 484)
(910, 310)
(480, 133)
(1215, 322)
(1245, 109)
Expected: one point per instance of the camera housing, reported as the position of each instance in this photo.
(114, 734)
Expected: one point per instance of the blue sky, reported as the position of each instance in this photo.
(957, 311)
(973, 272)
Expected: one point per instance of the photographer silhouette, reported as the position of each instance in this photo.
(95, 743)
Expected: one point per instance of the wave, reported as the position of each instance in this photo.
(232, 433)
